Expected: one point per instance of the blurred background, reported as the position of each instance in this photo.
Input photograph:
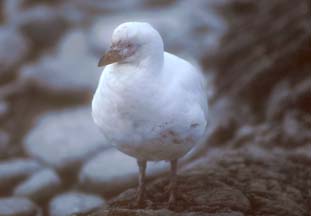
(255, 54)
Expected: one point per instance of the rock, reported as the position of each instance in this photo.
(4, 141)
(40, 186)
(4, 108)
(158, 3)
(160, 212)
(265, 135)
(288, 107)
(285, 97)
(105, 6)
(64, 139)
(43, 25)
(231, 183)
(68, 69)
(221, 196)
(74, 203)
(15, 170)
(203, 195)
(249, 65)
(11, 8)
(280, 97)
(111, 171)
(291, 132)
(296, 129)
(14, 206)
(75, 15)
(302, 95)
(13, 40)
(243, 136)
(305, 151)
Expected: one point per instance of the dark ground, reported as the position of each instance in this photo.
(238, 184)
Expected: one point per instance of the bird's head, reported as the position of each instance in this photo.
(132, 42)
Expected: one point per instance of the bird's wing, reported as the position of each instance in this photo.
(185, 81)
(185, 96)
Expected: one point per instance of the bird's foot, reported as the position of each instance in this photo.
(177, 199)
(142, 200)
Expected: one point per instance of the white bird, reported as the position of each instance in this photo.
(150, 104)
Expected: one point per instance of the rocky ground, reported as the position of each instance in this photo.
(235, 183)
(257, 157)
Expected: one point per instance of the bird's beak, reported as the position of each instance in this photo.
(111, 56)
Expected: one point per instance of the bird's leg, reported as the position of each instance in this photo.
(141, 182)
(173, 183)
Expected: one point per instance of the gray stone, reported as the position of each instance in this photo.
(304, 150)
(74, 203)
(71, 68)
(105, 6)
(12, 9)
(4, 108)
(296, 128)
(15, 206)
(64, 139)
(256, 135)
(112, 171)
(280, 97)
(40, 186)
(287, 97)
(14, 48)
(16, 170)
(43, 25)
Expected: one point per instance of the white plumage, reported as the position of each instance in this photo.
(149, 103)
(151, 109)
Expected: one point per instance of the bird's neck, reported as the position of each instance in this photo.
(144, 70)
(151, 59)
(151, 64)
(133, 78)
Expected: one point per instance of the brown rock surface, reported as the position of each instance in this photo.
(231, 184)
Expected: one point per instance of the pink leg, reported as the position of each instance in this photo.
(142, 164)
(173, 183)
